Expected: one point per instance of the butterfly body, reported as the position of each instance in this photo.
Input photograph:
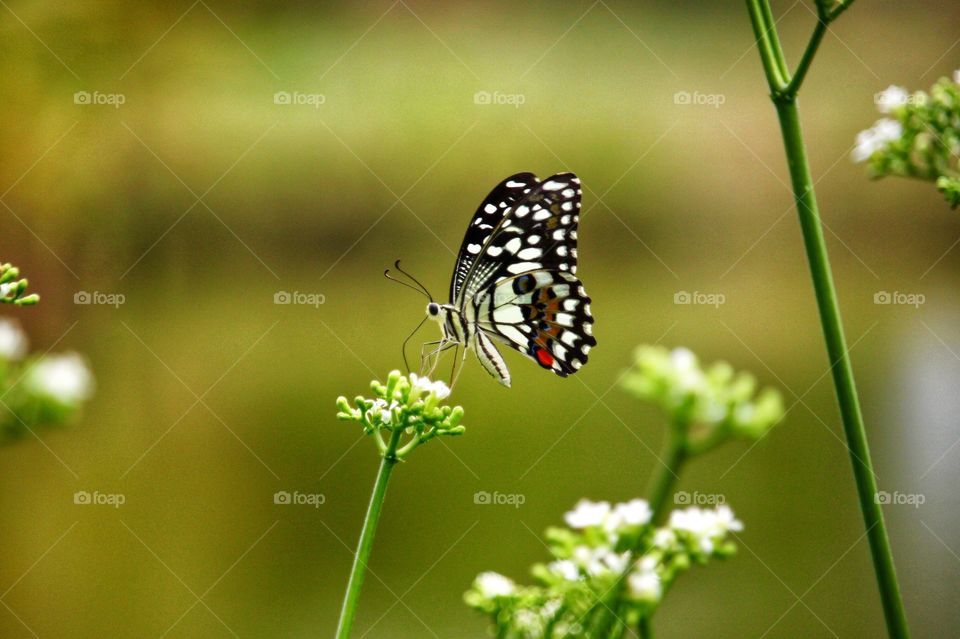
(515, 279)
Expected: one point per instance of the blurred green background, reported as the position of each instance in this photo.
(200, 197)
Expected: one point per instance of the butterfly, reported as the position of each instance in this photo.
(515, 279)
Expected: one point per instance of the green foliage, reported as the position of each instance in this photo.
(405, 405)
(919, 138)
(12, 288)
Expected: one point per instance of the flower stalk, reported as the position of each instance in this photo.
(365, 546)
(783, 92)
(404, 406)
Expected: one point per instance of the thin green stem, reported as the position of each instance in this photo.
(774, 66)
(665, 478)
(357, 573)
(793, 87)
(841, 367)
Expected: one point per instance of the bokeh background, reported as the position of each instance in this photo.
(199, 198)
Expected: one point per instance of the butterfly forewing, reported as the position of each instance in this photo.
(538, 232)
(485, 221)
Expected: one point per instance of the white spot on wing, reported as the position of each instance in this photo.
(513, 245)
(509, 314)
(490, 208)
(520, 267)
(529, 254)
(473, 249)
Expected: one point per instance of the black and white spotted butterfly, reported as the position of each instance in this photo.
(515, 279)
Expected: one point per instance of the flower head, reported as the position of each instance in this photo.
(65, 378)
(587, 513)
(493, 584)
(876, 138)
(411, 404)
(13, 341)
(891, 98)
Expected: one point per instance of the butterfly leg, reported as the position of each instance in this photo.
(426, 352)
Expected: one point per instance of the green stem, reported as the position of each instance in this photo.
(357, 573)
(826, 295)
(665, 478)
(645, 628)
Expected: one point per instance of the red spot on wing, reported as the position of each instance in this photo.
(544, 357)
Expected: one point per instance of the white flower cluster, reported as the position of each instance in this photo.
(604, 543)
(13, 341)
(420, 385)
(714, 397)
(876, 138)
(63, 378)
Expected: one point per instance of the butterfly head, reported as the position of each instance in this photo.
(433, 311)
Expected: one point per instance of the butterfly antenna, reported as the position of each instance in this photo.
(387, 275)
(403, 347)
(423, 288)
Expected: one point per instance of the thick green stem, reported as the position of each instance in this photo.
(841, 368)
(357, 573)
(785, 100)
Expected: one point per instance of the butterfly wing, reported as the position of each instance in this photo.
(485, 221)
(522, 288)
(538, 232)
(543, 314)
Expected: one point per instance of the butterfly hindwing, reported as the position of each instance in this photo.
(485, 221)
(544, 314)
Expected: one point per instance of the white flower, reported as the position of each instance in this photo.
(891, 98)
(635, 512)
(707, 527)
(587, 513)
(876, 138)
(5, 289)
(64, 378)
(956, 76)
(493, 584)
(13, 342)
(564, 568)
(644, 585)
(420, 385)
(664, 538)
(689, 377)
